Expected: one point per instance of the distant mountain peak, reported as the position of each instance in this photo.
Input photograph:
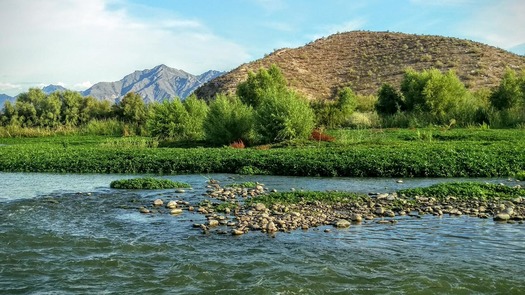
(53, 88)
(156, 84)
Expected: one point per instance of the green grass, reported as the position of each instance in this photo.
(465, 190)
(370, 153)
(147, 183)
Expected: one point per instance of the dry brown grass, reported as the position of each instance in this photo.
(366, 60)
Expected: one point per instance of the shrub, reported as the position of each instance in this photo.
(284, 117)
(228, 120)
(147, 183)
(390, 100)
(520, 175)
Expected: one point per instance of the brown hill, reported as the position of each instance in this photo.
(366, 60)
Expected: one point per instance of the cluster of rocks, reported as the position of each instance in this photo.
(173, 207)
(232, 215)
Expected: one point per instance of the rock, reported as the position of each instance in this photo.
(399, 181)
(176, 211)
(379, 211)
(509, 211)
(171, 205)
(327, 230)
(158, 203)
(180, 191)
(144, 210)
(237, 232)
(501, 217)
(389, 213)
(213, 223)
(270, 227)
(260, 207)
(356, 217)
(342, 223)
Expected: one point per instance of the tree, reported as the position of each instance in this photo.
(509, 92)
(133, 111)
(260, 85)
(9, 114)
(49, 110)
(197, 110)
(228, 120)
(334, 114)
(390, 100)
(168, 120)
(432, 92)
(284, 117)
(71, 103)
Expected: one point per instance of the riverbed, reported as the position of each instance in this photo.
(64, 233)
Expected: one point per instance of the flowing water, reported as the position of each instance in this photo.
(72, 234)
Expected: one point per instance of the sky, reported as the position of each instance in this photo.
(76, 43)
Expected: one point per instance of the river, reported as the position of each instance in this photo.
(64, 233)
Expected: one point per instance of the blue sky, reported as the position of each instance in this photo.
(76, 43)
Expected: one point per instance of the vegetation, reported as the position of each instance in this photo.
(285, 198)
(465, 190)
(520, 175)
(371, 153)
(229, 120)
(147, 183)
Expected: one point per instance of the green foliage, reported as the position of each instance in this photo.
(247, 184)
(510, 91)
(465, 190)
(390, 100)
(198, 111)
(520, 175)
(132, 110)
(390, 153)
(168, 119)
(335, 114)
(147, 183)
(432, 91)
(260, 85)
(284, 117)
(109, 127)
(178, 120)
(302, 197)
(228, 120)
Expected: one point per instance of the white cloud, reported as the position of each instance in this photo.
(501, 24)
(76, 40)
(82, 85)
(9, 86)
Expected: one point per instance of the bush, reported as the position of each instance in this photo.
(390, 100)
(228, 120)
(284, 117)
(147, 183)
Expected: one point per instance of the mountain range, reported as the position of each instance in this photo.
(156, 84)
(365, 60)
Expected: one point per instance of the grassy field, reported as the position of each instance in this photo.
(374, 153)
